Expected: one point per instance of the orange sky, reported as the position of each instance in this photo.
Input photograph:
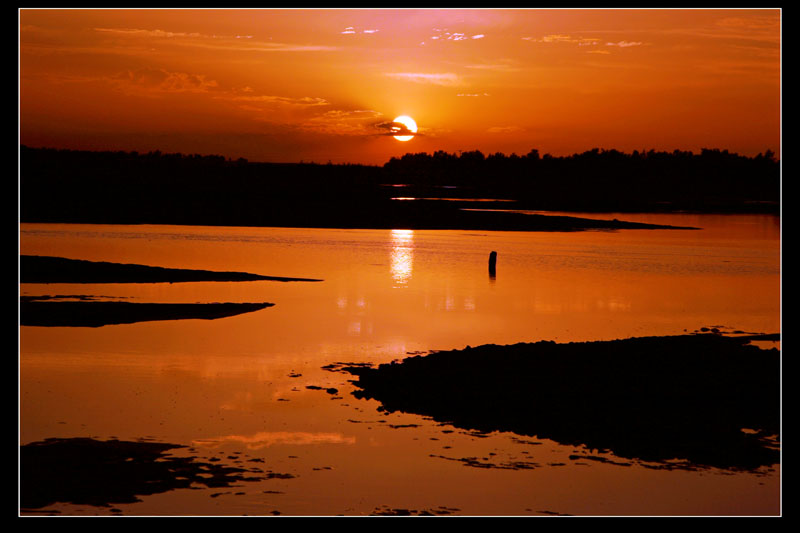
(313, 85)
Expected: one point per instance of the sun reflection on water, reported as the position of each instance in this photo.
(402, 256)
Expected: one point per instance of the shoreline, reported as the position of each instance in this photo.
(662, 401)
(86, 311)
(95, 314)
(408, 217)
(49, 269)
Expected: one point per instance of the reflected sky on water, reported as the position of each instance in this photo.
(242, 383)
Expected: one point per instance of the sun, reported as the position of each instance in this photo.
(410, 125)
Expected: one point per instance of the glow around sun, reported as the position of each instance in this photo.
(410, 125)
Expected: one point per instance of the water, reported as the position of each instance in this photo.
(239, 384)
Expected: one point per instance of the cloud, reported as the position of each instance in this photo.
(580, 41)
(605, 52)
(625, 44)
(394, 128)
(504, 129)
(332, 122)
(750, 23)
(163, 34)
(302, 101)
(356, 114)
(442, 35)
(351, 30)
(134, 32)
(765, 29)
(242, 43)
(265, 47)
(504, 65)
(293, 112)
(562, 38)
(472, 94)
(163, 81)
(548, 38)
(447, 79)
(357, 122)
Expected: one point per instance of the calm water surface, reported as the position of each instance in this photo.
(238, 384)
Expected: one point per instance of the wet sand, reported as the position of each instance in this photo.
(87, 313)
(101, 473)
(44, 269)
(689, 401)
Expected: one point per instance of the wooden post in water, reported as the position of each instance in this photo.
(492, 264)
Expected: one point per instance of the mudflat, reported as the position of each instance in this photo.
(46, 269)
(88, 313)
(688, 401)
(88, 471)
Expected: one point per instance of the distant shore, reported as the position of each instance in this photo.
(65, 186)
(394, 217)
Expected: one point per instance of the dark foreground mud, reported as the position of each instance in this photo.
(690, 401)
(44, 269)
(40, 311)
(86, 471)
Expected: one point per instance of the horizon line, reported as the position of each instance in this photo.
(457, 154)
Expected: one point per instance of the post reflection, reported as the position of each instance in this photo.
(402, 261)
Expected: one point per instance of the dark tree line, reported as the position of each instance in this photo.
(604, 179)
(162, 188)
(154, 187)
